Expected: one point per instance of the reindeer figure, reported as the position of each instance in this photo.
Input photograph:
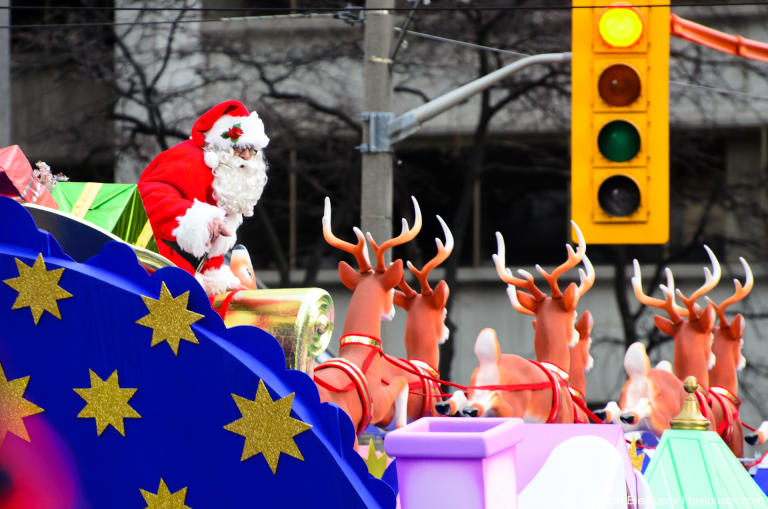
(650, 398)
(353, 380)
(723, 377)
(554, 333)
(650, 395)
(424, 330)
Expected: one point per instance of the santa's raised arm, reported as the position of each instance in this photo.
(197, 192)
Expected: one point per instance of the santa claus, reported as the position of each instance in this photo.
(197, 192)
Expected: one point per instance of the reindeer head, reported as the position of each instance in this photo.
(425, 326)
(372, 287)
(728, 342)
(692, 337)
(555, 314)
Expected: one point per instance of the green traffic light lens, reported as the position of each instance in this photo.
(618, 141)
(619, 196)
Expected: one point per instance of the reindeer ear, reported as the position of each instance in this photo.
(393, 274)
(401, 300)
(349, 276)
(570, 297)
(441, 294)
(708, 318)
(665, 325)
(584, 324)
(527, 301)
(737, 327)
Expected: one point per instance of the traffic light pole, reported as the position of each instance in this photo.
(410, 122)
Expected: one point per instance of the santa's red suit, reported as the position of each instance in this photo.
(179, 195)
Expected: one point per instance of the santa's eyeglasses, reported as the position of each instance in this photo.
(245, 153)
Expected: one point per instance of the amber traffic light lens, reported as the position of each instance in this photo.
(619, 85)
(618, 141)
(620, 26)
(619, 196)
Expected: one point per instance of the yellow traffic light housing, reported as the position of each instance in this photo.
(620, 122)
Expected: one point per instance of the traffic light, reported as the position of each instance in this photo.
(620, 121)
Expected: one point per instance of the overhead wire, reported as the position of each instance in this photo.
(431, 8)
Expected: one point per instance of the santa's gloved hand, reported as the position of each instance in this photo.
(216, 228)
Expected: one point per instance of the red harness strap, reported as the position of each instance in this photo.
(576, 395)
(555, 384)
(358, 381)
(224, 307)
(430, 389)
(356, 374)
(721, 394)
(704, 404)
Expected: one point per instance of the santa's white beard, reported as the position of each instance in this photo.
(238, 183)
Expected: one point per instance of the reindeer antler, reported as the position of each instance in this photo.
(406, 235)
(574, 257)
(674, 311)
(739, 293)
(586, 279)
(710, 281)
(443, 251)
(359, 250)
(499, 259)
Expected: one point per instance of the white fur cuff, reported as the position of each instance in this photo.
(192, 233)
(216, 281)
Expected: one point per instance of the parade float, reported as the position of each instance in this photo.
(122, 384)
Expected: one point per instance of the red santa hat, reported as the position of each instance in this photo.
(228, 125)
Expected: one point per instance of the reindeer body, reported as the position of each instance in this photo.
(495, 368)
(651, 397)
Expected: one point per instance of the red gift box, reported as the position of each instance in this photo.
(19, 182)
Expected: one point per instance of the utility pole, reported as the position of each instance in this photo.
(5, 74)
(376, 193)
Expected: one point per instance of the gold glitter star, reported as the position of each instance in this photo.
(267, 426)
(107, 402)
(637, 459)
(38, 288)
(13, 408)
(169, 319)
(377, 464)
(164, 499)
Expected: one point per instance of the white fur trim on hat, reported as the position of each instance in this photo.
(218, 280)
(251, 132)
(192, 233)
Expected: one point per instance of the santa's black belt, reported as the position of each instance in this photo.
(194, 261)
